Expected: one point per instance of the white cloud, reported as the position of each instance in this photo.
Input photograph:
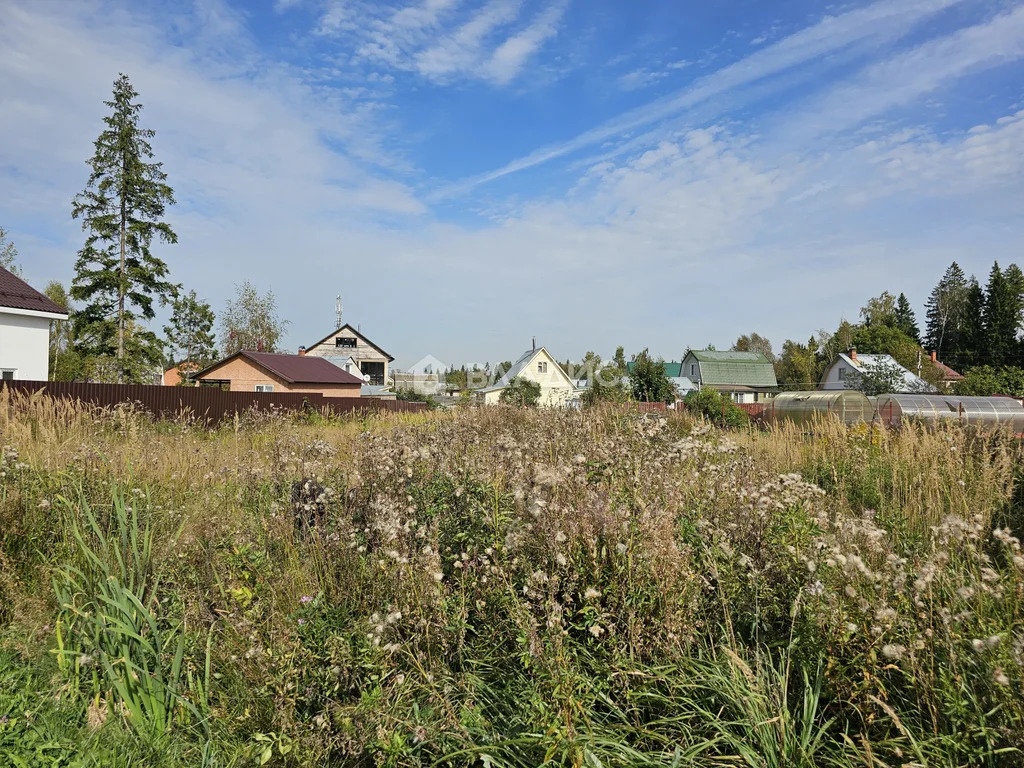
(909, 75)
(438, 40)
(887, 20)
(510, 57)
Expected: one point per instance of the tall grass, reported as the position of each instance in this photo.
(514, 588)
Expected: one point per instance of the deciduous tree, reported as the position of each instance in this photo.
(754, 343)
(250, 321)
(8, 253)
(648, 381)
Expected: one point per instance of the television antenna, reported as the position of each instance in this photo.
(337, 311)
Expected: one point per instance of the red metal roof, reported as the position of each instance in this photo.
(294, 369)
(17, 294)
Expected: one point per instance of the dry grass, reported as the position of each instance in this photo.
(503, 587)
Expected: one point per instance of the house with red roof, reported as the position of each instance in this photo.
(25, 317)
(247, 371)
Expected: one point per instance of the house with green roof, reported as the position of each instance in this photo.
(745, 377)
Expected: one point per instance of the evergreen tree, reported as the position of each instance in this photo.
(973, 342)
(121, 209)
(946, 310)
(905, 320)
(190, 333)
(1015, 278)
(1001, 319)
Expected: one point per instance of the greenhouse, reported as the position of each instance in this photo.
(847, 405)
(932, 408)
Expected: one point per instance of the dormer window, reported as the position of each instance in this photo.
(542, 367)
(345, 342)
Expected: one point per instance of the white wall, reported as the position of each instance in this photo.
(831, 378)
(25, 346)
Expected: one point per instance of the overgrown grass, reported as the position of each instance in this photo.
(499, 587)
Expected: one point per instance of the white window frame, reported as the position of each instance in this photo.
(5, 371)
(542, 366)
(264, 387)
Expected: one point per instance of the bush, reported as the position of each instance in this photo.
(717, 409)
(521, 392)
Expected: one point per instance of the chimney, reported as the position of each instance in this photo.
(934, 357)
(853, 354)
(534, 343)
(302, 351)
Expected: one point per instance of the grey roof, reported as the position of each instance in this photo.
(682, 383)
(750, 369)
(911, 382)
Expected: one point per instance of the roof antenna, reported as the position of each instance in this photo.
(337, 310)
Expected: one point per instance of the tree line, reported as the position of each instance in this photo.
(977, 331)
(119, 280)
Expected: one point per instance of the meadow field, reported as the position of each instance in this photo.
(506, 587)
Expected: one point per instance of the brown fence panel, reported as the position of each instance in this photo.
(206, 403)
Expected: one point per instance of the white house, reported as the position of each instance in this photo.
(25, 317)
(536, 365)
(844, 370)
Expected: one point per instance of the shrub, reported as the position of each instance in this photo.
(521, 392)
(714, 407)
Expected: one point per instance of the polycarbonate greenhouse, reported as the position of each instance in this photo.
(847, 405)
(932, 408)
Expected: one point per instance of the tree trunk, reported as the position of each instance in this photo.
(120, 294)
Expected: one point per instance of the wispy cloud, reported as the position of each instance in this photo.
(910, 75)
(444, 42)
(510, 57)
(880, 21)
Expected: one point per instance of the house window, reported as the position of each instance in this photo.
(542, 367)
(345, 342)
(842, 373)
(7, 375)
(693, 370)
(264, 387)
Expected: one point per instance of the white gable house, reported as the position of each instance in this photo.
(846, 369)
(25, 317)
(536, 365)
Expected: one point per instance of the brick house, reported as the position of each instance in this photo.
(264, 372)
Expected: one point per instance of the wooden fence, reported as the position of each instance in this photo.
(206, 403)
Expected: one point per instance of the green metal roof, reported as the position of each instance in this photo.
(672, 370)
(750, 369)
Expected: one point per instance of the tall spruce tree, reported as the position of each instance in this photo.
(1015, 277)
(905, 320)
(945, 314)
(190, 334)
(972, 334)
(116, 274)
(1001, 319)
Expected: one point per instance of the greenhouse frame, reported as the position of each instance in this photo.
(847, 405)
(994, 412)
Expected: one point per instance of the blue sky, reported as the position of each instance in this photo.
(469, 175)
